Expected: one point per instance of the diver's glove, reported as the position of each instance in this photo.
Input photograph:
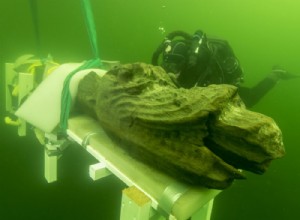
(278, 73)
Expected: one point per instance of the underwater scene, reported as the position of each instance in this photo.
(262, 34)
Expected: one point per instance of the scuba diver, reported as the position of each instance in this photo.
(196, 60)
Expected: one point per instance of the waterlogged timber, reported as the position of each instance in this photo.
(202, 135)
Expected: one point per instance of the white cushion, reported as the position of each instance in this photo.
(43, 106)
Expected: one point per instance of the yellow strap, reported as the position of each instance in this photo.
(32, 67)
(9, 121)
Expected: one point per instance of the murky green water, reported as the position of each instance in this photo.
(262, 33)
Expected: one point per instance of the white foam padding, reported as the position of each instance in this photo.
(42, 108)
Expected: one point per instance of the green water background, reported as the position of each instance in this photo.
(262, 33)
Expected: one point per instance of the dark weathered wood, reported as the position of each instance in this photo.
(202, 135)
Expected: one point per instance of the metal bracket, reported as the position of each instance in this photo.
(17, 87)
(10, 78)
(54, 148)
(98, 171)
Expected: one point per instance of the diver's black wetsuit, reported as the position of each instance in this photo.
(251, 96)
(212, 73)
(200, 61)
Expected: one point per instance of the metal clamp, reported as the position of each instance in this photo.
(170, 195)
(55, 146)
(86, 139)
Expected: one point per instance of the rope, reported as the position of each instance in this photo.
(90, 25)
(34, 13)
(66, 99)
